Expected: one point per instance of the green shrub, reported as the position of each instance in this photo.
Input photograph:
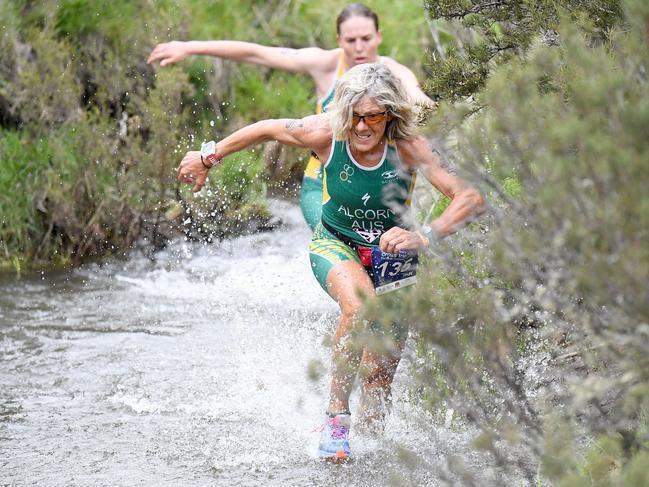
(532, 322)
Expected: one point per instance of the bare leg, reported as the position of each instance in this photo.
(377, 372)
(347, 283)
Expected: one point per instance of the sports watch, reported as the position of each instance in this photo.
(208, 154)
(429, 234)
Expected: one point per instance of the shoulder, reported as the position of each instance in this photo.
(316, 129)
(318, 134)
(413, 145)
(317, 123)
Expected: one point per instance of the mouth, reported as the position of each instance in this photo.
(360, 60)
(363, 136)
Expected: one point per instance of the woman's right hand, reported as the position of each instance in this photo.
(168, 53)
(192, 171)
(397, 239)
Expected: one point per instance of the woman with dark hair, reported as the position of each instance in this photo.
(358, 37)
(370, 155)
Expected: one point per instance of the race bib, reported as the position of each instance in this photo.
(389, 271)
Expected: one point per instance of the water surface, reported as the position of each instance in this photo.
(192, 370)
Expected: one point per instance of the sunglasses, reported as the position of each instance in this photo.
(369, 119)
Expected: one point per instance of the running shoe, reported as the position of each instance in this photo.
(334, 439)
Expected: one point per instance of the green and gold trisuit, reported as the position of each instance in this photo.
(311, 191)
(359, 204)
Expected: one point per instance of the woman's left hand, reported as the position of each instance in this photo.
(191, 170)
(397, 239)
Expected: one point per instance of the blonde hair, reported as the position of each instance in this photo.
(376, 81)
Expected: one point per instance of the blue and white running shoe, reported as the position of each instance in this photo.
(334, 439)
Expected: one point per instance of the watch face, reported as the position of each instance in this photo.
(208, 152)
(208, 148)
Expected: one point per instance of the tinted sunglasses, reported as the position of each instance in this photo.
(369, 119)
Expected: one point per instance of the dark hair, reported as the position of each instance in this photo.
(356, 10)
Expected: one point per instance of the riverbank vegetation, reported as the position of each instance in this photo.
(533, 322)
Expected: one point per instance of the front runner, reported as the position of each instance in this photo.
(367, 141)
(358, 37)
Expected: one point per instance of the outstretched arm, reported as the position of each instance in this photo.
(310, 60)
(312, 132)
(466, 202)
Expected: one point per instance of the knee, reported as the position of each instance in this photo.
(349, 328)
(376, 377)
(350, 312)
(378, 374)
(343, 335)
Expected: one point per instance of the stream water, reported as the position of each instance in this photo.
(192, 370)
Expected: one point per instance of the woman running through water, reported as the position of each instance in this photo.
(371, 153)
(358, 38)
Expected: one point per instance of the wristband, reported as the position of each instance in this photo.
(208, 154)
(203, 163)
(429, 234)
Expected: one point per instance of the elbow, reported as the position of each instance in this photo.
(265, 130)
(475, 202)
(479, 203)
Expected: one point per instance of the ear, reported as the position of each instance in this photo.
(380, 36)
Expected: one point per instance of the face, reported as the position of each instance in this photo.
(367, 135)
(359, 41)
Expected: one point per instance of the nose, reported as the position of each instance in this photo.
(362, 125)
(358, 45)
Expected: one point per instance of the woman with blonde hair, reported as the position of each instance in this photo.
(366, 242)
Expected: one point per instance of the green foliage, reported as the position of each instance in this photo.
(77, 17)
(606, 461)
(532, 322)
(22, 163)
(636, 472)
(475, 36)
(94, 143)
(287, 100)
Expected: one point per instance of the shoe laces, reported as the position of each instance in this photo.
(338, 431)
